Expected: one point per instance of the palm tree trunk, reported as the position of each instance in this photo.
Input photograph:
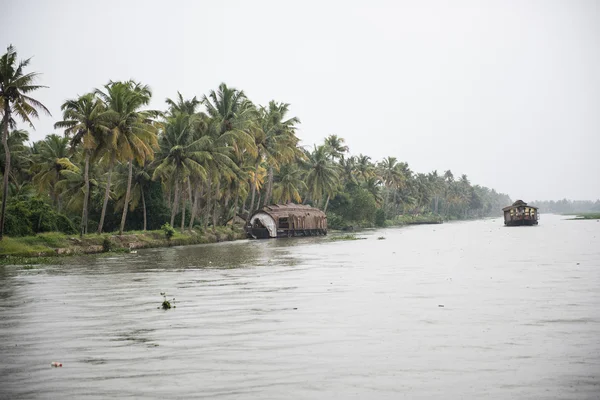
(127, 195)
(269, 187)
(215, 208)
(175, 202)
(183, 208)
(226, 203)
(326, 204)
(106, 194)
(143, 205)
(84, 211)
(194, 207)
(6, 165)
(208, 199)
(235, 205)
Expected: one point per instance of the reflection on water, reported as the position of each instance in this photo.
(460, 310)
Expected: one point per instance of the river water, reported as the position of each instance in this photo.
(467, 310)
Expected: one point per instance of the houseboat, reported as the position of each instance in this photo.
(520, 214)
(285, 220)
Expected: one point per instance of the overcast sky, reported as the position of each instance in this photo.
(507, 92)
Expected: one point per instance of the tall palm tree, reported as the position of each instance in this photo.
(15, 85)
(276, 140)
(20, 157)
(322, 177)
(85, 121)
(288, 184)
(182, 155)
(365, 167)
(182, 106)
(230, 115)
(336, 145)
(133, 136)
(142, 177)
(50, 156)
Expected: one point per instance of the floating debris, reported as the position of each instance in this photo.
(55, 364)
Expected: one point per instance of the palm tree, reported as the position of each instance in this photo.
(15, 85)
(142, 177)
(76, 188)
(182, 155)
(322, 177)
(231, 114)
(365, 168)
(20, 157)
(85, 121)
(288, 184)
(133, 136)
(275, 139)
(182, 106)
(50, 156)
(336, 146)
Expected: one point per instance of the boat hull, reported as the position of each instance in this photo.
(521, 222)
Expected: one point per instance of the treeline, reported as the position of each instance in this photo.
(565, 206)
(119, 166)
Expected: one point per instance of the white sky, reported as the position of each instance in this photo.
(507, 92)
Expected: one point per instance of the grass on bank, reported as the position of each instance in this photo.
(401, 220)
(583, 216)
(53, 244)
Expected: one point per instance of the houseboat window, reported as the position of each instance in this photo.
(284, 223)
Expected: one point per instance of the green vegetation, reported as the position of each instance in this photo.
(345, 237)
(583, 216)
(192, 166)
(55, 244)
(166, 304)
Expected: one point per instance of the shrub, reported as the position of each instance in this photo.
(168, 230)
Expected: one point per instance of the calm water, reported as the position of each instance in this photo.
(316, 319)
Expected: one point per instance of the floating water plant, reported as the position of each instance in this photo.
(166, 304)
(346, 237)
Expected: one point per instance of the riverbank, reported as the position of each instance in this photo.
(46, 247)
(403, 220)
(582, 216)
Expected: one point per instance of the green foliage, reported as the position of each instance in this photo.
(345, 237)
(168, 230)
(335, 221)
(107, 245)
(34, 216)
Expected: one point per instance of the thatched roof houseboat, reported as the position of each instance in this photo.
(284, 220)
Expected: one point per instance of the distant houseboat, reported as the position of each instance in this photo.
(284, 220)
(520, 214)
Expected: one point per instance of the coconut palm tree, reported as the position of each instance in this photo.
(288, 184)
(132, 136)
(140, 181)
(364, 167)
(20, 157)
(50, 156)
(275, 140)
(322, 177)
(230, 116)
(336, 146)
(183, 155)
(182, 106)
(15, 87)
(85, 121)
